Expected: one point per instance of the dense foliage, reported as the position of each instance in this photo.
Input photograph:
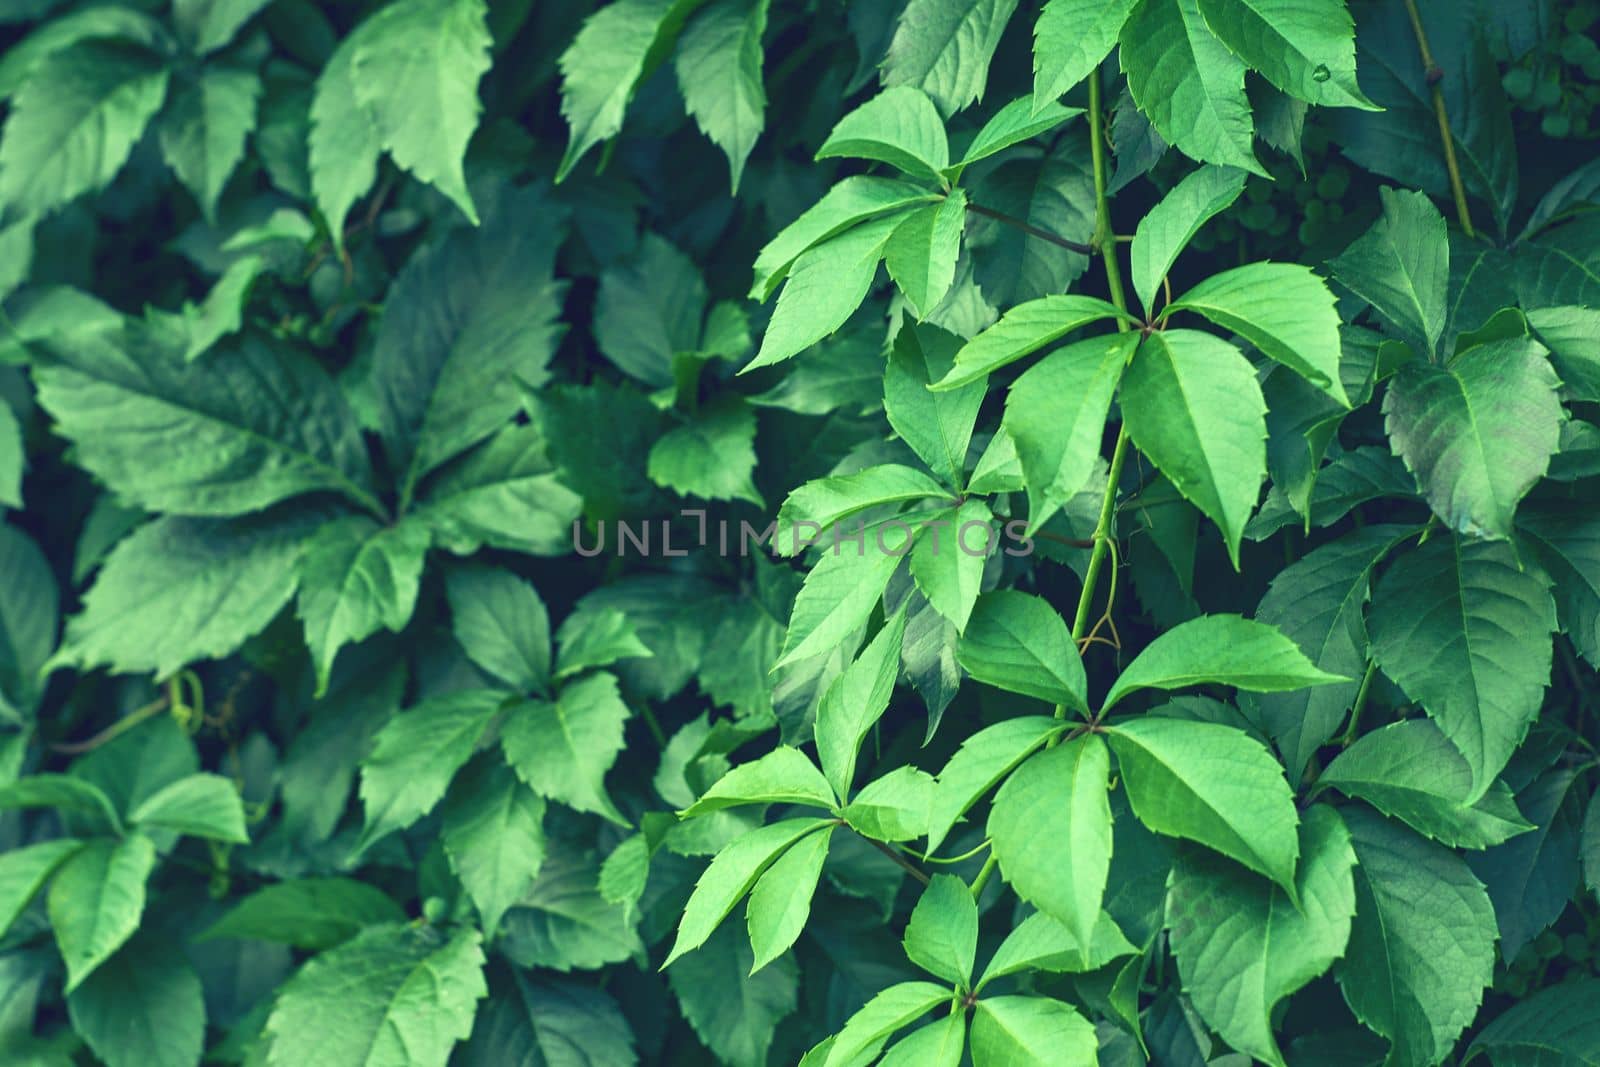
(493, 573)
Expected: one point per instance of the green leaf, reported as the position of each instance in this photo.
(1212, 784)
(1553, 1025)
(1465, 632)
(108, 23)
(731, 875)
(982, 761)
(23, 872)
(1532, 878)
(344, 142)
(1019, 643)
(855, 701)
(143, 1007)
(13, 460)
(200, 805)
(563, 922)
(1409, 770)
(1030, 1032)
(563, 748)
(1589, 847)
(1056, 415)
(617, 48)
(177, 591)
(468, 325)
(1242, 946)
(96, 899)
(1166, 230)
(648, 310)
(712, 456)
(1188, 83)
(66, 792)
(1070, 41)
(868, 1029)
(1050, 827)
(734, 1012)
(29, 618)
(207, 25)
(202, 438)
(892, 808)
(1023, 330)
(854, 200)
(415, 71)
(596, 638)
(1013, 124)
(417, 754)
(1479, 433)
(944, 48)
(1422, 945)
(1307, 48)
(921, 253)
(222, 313)
(900, 127)
(1224, 650)
(75, 122)
(783, 776)
(534, 1023)
(1319, 602)
(505, 494)
(949, 569)
(405, 995)
(841, 591)
(355, 577)
(937, 426)
(942, 936)
(1570, 332)
(718, 63)
(1043, 944)
(1401, 267)
(203, 129)
(780, 902)
(1568, 543)
(494, 836)
(1283, 309)
(939, 1044)
(1191, 403)
(825, 502)
(307, 913)
(501, 624)
(825, 286)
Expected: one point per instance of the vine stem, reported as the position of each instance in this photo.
(1360, 704)
(983, 876)
(1435, 75)
(1104, 237)
(1030, 229)
(893, 853)
(116, 729)
(1108, 252)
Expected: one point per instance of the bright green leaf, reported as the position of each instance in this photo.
(1051, 831)
(1212, 784)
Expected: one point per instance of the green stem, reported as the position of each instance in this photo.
(1103, 239)
(116, 729)
(1360, 704)
(1030, 229)
(983, 876)
(893, 853)
(1435, 75)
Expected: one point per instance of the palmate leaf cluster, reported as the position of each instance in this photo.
(427, 429)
